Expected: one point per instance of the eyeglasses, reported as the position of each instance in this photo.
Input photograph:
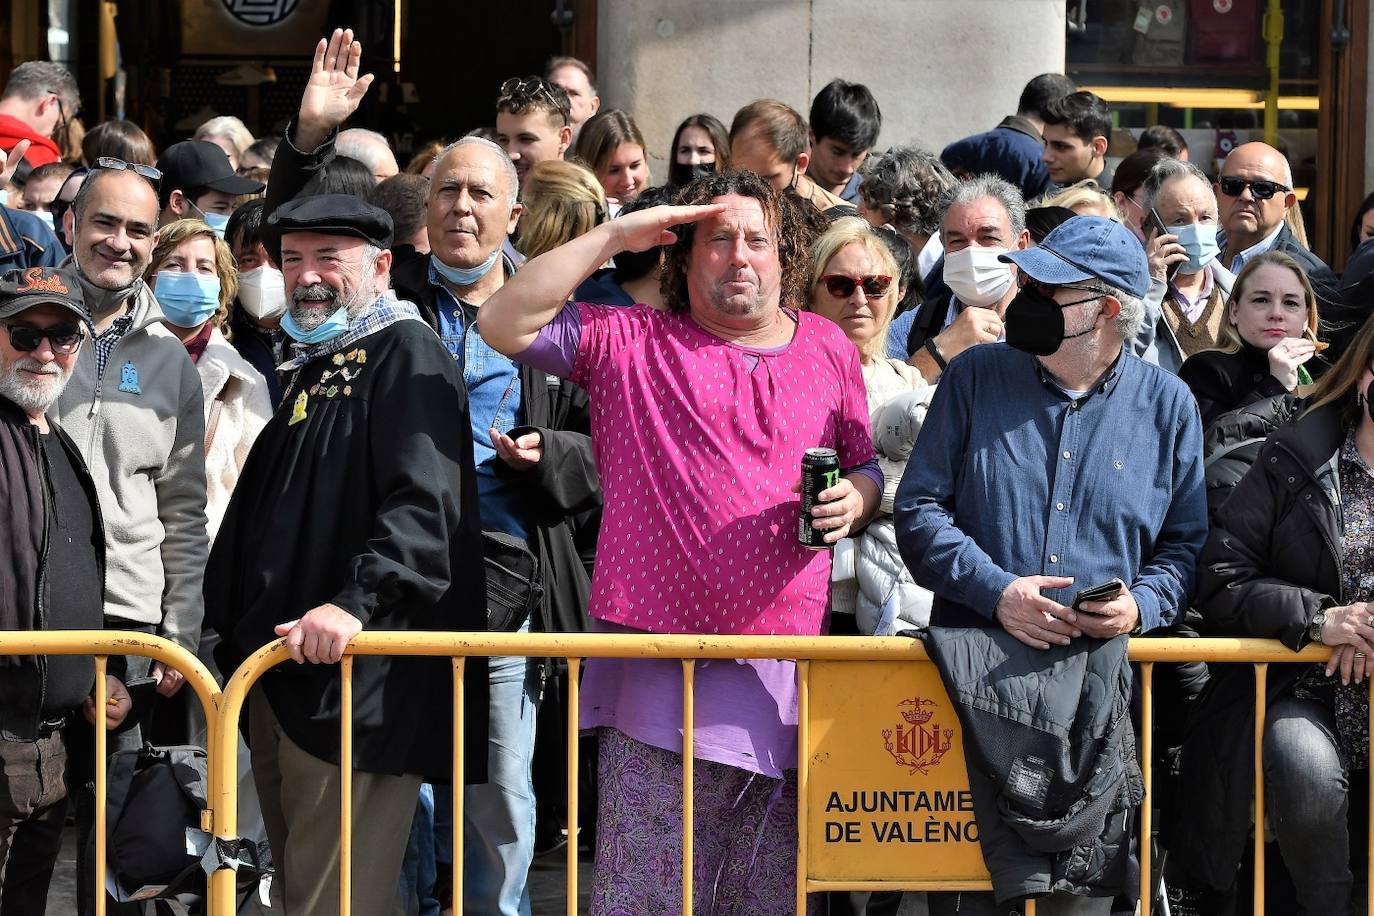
(1048, 289)
(1232, 186)
(65, 338)
(517, 93)
(119, 165)
(842, 287)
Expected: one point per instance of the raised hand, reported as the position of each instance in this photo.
(644, 229)
(12, 160)
(333, 91)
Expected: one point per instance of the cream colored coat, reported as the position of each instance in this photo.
(226, 375)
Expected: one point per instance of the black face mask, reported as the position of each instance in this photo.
(1035, 322)
(681, 174)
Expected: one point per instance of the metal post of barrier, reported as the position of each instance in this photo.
(803, 777)
(1147, 749)
(346, 785)
(459, 688)
(574, 833)
(688, 768)
(101, 789)
(1261, 673)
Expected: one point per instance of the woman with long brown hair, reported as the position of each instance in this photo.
(1291, 557)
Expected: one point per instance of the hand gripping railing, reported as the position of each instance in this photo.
(576, 647)
(102, 644)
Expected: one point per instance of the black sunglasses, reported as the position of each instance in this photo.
(65, 338)
(1232, 186)
(517, 93)
(138, 168)
(1047, 289)
(842, 287)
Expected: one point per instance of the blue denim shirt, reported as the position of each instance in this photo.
(1011, 477)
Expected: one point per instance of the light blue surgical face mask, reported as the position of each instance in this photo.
(466, 276)
(216, 221)
(1200, 241)
(333, 326)
(187, 300)
(46, 217)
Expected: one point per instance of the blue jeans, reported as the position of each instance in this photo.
(1307, 797)
(418, 872)
(498, 833)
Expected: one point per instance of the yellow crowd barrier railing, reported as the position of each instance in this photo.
(825, 731)
(812, 655)
(102, 644)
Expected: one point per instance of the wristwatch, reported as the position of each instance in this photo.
(1314, 627)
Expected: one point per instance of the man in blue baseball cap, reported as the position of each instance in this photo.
(1048, 465)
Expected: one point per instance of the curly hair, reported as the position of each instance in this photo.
(173, 235)
(907, 185)
(792, 226)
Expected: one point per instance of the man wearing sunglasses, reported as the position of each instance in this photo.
(1048, 465)
(1254, 192)
(39, 99)
(53, 554)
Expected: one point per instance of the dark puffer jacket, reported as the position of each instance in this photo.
(1272, 560)
(1233, 442)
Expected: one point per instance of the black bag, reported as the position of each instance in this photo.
(155, 794)
(514, 588)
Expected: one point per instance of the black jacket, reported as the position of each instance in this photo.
(933, 313)
(1233, 442)
(361, 492)
(24, 540)
(562, 491)
(1052, 762)
(1338, 321)
(248, 340)
(1272, 560)
(1223, 382)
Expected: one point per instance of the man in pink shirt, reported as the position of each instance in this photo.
(700, 417)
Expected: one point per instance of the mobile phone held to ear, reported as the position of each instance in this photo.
(1108, 589)
(1154, 225)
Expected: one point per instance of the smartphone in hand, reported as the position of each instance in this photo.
(1103, 592)
(1154, 225)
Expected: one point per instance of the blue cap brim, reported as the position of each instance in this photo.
(1044, 265)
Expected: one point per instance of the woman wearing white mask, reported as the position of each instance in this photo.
(255, 318)
(192, 275)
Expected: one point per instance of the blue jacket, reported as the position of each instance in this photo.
(1012, 149)
(26, 241)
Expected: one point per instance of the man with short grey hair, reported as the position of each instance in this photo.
(40, 97)
(984, 218)
(528, 431)
(370, 148)
(1047, 465)
(1185, 307)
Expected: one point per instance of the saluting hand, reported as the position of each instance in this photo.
(333, 91)
(644, 229)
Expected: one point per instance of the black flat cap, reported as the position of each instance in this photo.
(328, 214)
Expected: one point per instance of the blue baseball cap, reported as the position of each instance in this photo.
(1087, 248)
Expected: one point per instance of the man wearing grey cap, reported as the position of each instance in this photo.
(52, 548)
(357, 510)
(1048, 465)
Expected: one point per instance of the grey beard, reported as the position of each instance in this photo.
(308, 318)
(30, 398)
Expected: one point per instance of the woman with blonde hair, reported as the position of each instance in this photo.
(854, 284)
(229, 134)
(1268, 334)
(193, 276)
(563, 200)
(1288, 559)
(612, 146)
(1086, 198)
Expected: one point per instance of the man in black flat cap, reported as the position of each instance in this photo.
(198, 182)
(357, 509)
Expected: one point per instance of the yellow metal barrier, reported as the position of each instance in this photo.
(102, 644)
(805, 650)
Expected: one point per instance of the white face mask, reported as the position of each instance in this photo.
(976, 277)
(262, 291)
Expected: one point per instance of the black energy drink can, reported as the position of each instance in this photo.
(820, 472)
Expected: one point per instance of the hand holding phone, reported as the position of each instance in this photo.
(1171, 255)
(1103, 592)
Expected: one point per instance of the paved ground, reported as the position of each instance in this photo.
(547, 884)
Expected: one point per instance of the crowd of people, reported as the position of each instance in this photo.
(280, 387)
